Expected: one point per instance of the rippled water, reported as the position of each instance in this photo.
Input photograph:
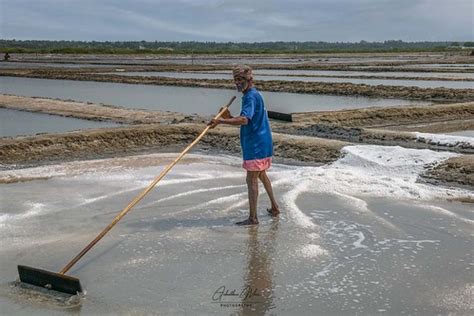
(356, 236)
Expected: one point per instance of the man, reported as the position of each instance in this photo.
(255, 140)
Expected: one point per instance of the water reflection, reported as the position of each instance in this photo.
(258, 277)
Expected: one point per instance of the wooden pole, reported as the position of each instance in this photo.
(139, 197)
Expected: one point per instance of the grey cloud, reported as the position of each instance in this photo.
(244, 20)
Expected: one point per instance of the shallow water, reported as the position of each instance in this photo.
(467, 133)
(15, 123)
(445, 66)
(390, 82)
(12, 65)
(356, 236)
(181, 99)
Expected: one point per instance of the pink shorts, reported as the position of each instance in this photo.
(257, 164)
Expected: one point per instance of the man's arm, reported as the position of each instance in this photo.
(238, 120)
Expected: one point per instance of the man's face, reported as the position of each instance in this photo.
(241, 84)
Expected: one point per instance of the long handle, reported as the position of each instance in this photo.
(142, 194)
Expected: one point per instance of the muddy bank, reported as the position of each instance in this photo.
(128, 140)
(390, 116)
(457, 170)
(344, 89)
(370, 77)
(45, 149)
(344, 126)
(436, 127)
(92, 111)
(396, 118)
(377, 137)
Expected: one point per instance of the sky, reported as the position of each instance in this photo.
(238, 21)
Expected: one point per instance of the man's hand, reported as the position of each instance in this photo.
(213, 123)
(225, 115)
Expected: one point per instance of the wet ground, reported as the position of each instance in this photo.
(359, 236)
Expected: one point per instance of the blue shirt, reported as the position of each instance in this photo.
(256, 136)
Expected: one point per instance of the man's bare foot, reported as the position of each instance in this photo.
(248, 221)
(274, 212)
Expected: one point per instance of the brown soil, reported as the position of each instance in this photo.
(91, 111)
(128, 140)
(457, 170)
(390, 116)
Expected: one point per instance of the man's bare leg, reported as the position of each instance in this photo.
(274, 211)
(252, 186)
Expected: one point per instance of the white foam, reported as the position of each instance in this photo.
(443, 139)
(33, 210)
(312, 251)
(446, 212)
(362, 206)
(294, 211)
(380, 171)
(221, 200)
(191, 192)
(358, 242)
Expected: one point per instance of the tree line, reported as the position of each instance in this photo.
(189, 47)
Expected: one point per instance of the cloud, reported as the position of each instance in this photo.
(244, 20)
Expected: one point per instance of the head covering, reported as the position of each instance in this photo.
(243, 71)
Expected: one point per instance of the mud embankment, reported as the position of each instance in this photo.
(92, 111)
(344, 89)
(128, 140)
(457, 170)
(342, 75)
(384, 126)
(390, 116)
(378, 137)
